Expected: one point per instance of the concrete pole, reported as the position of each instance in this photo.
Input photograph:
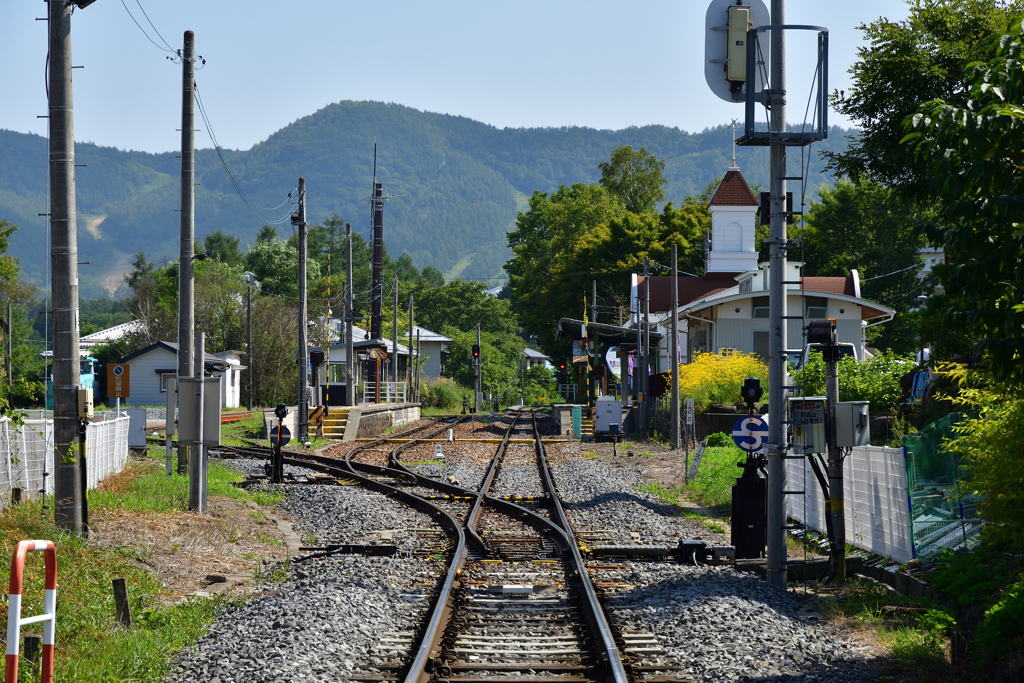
(777, 310)
(410, 363)
(394, 339)
(834, 507)
(248, 345)
(418, 365)
(64, 262)
(645, 375)
(186, 264)
(479, 362)
(350, 349)
(673, 361)
(196, 463)
(10, 355)
(303, 417)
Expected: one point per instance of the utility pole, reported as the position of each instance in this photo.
(10, 354)
(417, 365)
(673, 361)
(186, 260)
(593, 343)
(411, 365)
(299, 220)
(197, 461)
(394, 340)
(350, 349)
(645, 374)
(776, 449)
(248, 341)
(64, 262)
(479, 360)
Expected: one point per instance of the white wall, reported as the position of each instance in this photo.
(145, 382)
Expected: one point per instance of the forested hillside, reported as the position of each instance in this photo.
(459, 184)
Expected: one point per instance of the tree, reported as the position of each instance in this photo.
(219, 308)
(974, 158)
(635, 176)
(276, 266)
(268, 233)
(905, 63)
(867, 226)
(431, 277)
(223, 247)
(459, 305)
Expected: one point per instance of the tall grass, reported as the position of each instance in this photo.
(712, 487)
(444, 393)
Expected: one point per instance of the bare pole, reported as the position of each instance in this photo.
(248, 344)
(673, 361)
(418, 365)
(299, 219)
(476, 388)
(646, 375)
(350, 349)
(10, 354)
(411, 347)
(186, 261)
(593, 344)
(776, 450)
(196, 469)
(394, 338)
(68, 510)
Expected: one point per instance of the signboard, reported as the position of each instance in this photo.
(117, 380)
(689, 411)
(696, 459)
(750, 433)
(438, 455)
(286, 435)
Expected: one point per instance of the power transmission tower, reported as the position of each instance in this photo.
(186, 258)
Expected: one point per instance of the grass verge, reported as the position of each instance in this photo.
(712, 487)
(90, 646)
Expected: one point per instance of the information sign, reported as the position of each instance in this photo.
(117, 380)
(286, 435)
(689, 411)
(696, 459)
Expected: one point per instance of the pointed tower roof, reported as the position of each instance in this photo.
(733, 191)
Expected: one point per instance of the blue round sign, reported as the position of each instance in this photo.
(750, 433)
(286, 435)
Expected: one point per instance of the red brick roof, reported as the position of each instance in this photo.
(833, 285)
(734, 191)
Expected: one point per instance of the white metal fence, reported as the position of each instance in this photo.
(26, 452)
(875, 496)
(390, 392)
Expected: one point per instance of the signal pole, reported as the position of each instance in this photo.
(350, 349)
(299, 220)
(476, 385)
(776, 449)
(394, 339)
(64, 261)
(673, 361)
(186, 262)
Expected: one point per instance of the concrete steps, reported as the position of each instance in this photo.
(335, 423)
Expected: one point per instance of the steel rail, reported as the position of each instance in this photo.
(596, 613)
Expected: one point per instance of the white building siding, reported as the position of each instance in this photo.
(145, 382)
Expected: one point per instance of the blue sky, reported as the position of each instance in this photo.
(526, 63)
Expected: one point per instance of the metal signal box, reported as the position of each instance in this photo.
(739, 24)
(807, 417)
(85, 411)
(608, 412)
(853, 424)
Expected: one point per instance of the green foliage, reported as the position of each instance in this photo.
(223, 248)
(876, 380)
(903, 64)
(716, 476)
(867, 226)
(445, 394)
(999, 637)
(719, 439)
(635, 176)
(460, 305)
(540, 387)
(981, 187)
(990, 445)
(276, 266)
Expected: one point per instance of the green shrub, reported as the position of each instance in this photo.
(719, 439)
(876, 380)
(444, 393)
(715, 478)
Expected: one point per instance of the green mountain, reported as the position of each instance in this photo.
(458, 184)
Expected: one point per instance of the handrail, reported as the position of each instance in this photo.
(48, 617)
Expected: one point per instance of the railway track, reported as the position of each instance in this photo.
(516, 600)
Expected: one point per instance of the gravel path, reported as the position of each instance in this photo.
(717, 624)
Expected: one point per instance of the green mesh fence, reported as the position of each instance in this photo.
(938, 519)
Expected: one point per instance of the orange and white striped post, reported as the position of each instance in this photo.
(48, 617)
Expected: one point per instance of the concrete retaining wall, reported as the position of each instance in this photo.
(373, 420)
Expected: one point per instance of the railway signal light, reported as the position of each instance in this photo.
(476, 351)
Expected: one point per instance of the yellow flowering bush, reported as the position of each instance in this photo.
(713, 378)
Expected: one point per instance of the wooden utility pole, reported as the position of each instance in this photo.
(64, 260)
(186, 258)
(299, 220)
(673, 361)
(350, 349)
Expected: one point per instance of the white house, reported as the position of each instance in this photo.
(534, 357)
(153, 366)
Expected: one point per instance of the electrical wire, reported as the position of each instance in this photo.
(249, 203)
(168, 48)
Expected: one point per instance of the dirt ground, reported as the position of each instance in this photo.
(183, 548)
